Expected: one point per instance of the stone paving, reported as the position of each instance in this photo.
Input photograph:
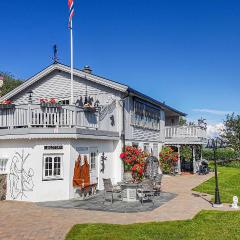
(98, 204)
(26, 221)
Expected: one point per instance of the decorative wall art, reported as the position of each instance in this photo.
(103, 159)
(20, 178)
(107, 110)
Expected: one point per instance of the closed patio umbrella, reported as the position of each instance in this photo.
(77, 177)
(86, 173)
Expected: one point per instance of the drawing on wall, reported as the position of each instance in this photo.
(103, 159)
(20, 178)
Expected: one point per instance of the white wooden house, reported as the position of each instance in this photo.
(39, 144)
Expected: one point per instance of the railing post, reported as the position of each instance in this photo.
(29, 115)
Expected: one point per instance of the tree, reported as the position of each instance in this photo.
(182, 121)
(10, 82)
(231, 131)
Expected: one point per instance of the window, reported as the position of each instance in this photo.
(3, 165)
(146, 147)
(134, 144)
(52, 167)
(93, 160)
(146, 116)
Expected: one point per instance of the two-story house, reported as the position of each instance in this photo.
(41, 139)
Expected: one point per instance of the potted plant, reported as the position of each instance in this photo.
(89, 108)
(7, 104)
(50, 103)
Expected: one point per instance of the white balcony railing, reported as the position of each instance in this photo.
(184, 132)
(35, 116)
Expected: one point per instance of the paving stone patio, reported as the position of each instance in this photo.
(30, 221)
(96, 203)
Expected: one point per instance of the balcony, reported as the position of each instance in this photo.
(24, 116)
(21, 121)
(185, 134)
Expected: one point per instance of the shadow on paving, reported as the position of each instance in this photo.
(97, 203)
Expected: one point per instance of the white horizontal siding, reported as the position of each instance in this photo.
(57, 85)
(142, 134)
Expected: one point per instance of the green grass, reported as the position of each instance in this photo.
(229, 184)
(206, 225)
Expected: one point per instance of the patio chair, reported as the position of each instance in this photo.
(146, 191)
(109, 189)
(157, 187)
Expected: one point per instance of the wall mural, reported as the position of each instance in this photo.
(20, 178)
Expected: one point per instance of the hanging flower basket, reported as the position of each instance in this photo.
(89, 108)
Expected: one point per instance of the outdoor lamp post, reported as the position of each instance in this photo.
(214, 144)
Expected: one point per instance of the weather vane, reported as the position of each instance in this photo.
(55, 54)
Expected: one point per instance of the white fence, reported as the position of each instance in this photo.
(35, 116)
(185, 132)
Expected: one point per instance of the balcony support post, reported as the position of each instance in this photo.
(179, 159)
(194, 159)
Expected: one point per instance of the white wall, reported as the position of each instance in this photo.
(39, 190)
(113, 163)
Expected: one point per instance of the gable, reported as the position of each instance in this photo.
(57, 85)
(54, 82)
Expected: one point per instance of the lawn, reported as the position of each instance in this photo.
(206, 225)
(229, 184)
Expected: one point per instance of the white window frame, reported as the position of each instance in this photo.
(90, 160)
(52, 176)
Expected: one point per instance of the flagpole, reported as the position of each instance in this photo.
(71, 34)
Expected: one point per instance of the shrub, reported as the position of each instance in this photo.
(186, 153)
(168, 159)
(225, 154)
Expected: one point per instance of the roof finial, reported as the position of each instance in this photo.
(55, 54)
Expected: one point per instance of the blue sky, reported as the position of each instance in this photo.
(186, 53)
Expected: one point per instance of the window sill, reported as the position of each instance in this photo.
(52, 179)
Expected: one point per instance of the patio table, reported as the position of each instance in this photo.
(129, 191)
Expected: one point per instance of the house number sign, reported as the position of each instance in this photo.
(53, 147)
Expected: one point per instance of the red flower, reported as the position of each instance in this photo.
(122, 155)
(52, 100)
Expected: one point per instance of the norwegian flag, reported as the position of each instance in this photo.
(71, 11)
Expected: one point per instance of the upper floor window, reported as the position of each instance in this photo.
(146, 116)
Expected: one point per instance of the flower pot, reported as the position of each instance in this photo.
(7, 106)
(127, 176)
(51, 105)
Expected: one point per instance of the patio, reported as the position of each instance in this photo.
(97, 203)
(32, 221)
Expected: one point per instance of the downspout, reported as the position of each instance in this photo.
(123, 122)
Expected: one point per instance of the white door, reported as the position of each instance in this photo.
(93, 163)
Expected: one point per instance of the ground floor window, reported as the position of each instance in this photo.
(146, 147)
(52, 166)
(93, 157)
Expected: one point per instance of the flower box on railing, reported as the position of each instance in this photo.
(50, 105)
(7, 106)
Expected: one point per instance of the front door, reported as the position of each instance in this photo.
(93, 163)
